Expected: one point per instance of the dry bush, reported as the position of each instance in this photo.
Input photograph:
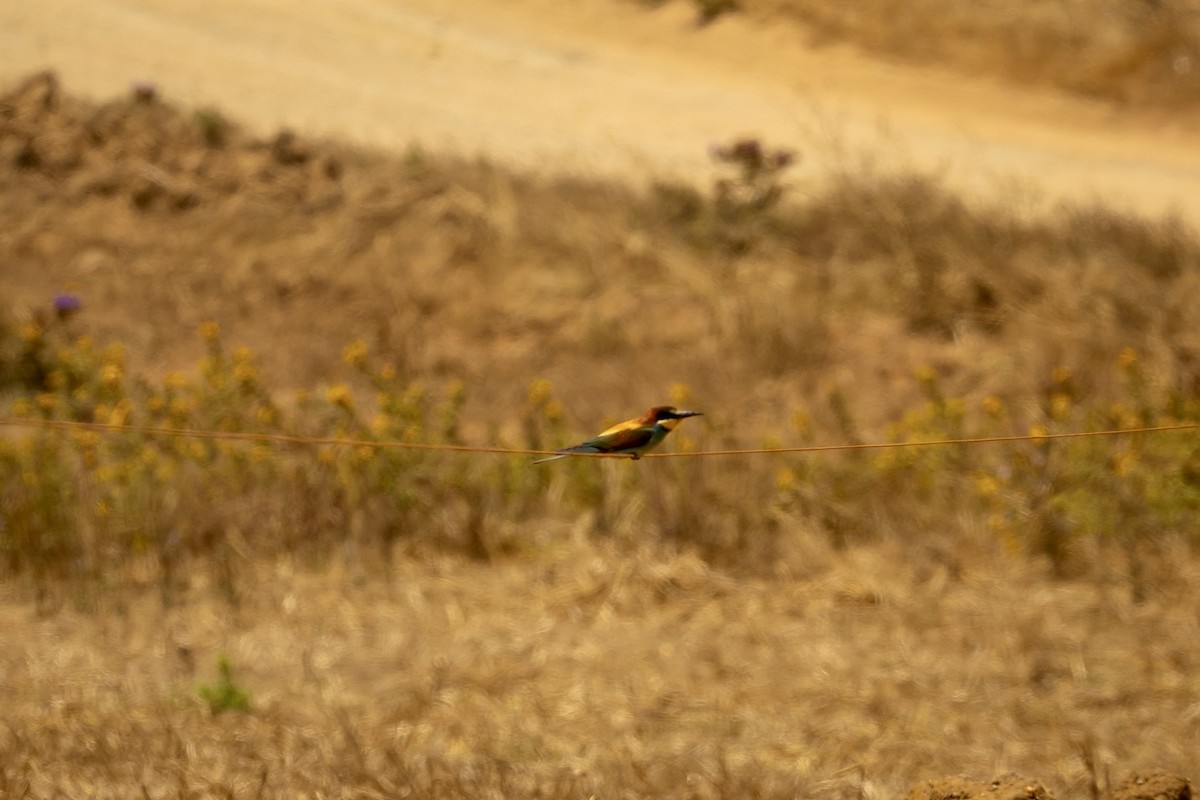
(1144, 53)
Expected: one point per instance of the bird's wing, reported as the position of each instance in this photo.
(627, 425)
(616, 440)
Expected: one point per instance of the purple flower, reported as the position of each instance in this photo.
(67, 305)
(145, 91)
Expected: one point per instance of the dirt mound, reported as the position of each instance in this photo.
(158, 217)
(1138, 786)
(1152, 786)
(958, 787)
(144, 150)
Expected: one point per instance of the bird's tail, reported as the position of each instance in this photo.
(566, 451)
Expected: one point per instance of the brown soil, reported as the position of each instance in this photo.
(1149, 786)
(600, 86)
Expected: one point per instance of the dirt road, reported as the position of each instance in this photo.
(595, 86)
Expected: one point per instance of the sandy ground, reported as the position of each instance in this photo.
(597, 86)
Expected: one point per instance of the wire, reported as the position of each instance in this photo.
(282, 438)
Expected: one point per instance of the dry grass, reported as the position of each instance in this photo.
(689, 629)
(606, 669)
(1140, 54)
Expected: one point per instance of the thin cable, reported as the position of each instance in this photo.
(245, 436)
(1022, 437)
(283, 438)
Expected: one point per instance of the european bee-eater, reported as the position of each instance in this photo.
(631, 437)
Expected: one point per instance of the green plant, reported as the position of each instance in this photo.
(225, 694)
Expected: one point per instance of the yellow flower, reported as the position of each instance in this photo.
(115, 354)
(155, 403)
(198, 450)
(339, 395)
(415, 393)
(84, 343)
(387, 372)
(210, 331)
(553, 411)
(802, 422)
(1037, 432)
(1123, 462)
(103, 509)
(993, 406)
(31, 331)
(681, 395)
(1060, 405)
(1127, 359)
(986, 485)
(786, 479)
(926, 374)
(266, 415)
(21, 407)
(175, 380)
(456, 390)
(179, 409)
(326, 455)
(260, 453)
(165, 471)
(110, 374)
(120, 413)
(86, 439)
(999, 526)
(540, 391)
(355, 353)
(245, 373)
(1061, 374)
(47, 401)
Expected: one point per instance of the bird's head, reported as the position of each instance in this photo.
(668, 416)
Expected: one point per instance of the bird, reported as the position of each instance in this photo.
(631, 437)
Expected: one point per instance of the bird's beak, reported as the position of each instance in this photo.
(682, 414)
